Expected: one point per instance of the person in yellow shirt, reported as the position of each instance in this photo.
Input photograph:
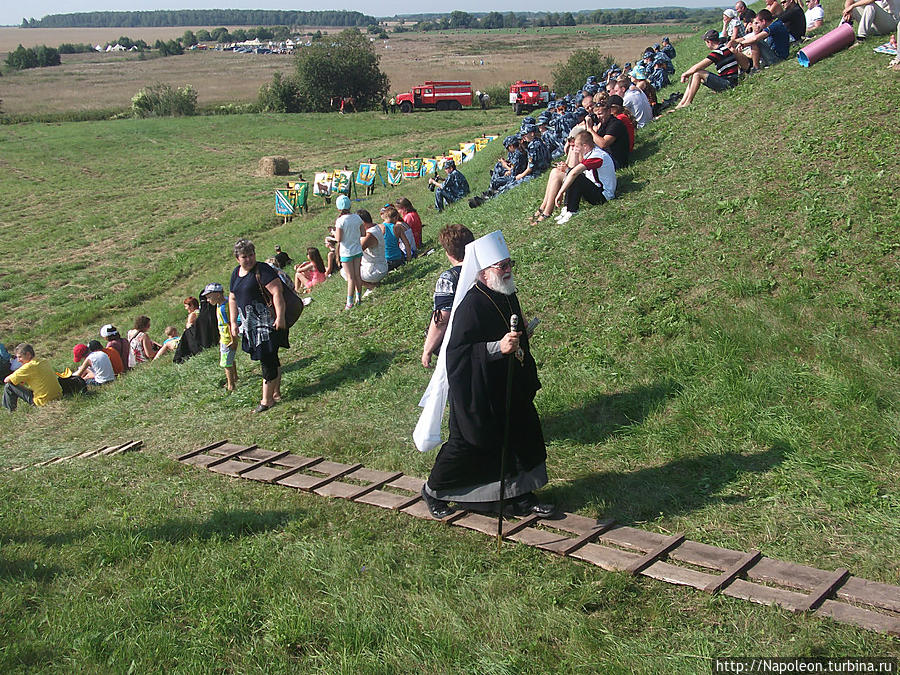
(34, 382)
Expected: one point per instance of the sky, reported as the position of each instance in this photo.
(12, 13)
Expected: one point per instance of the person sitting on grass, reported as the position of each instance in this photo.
(411, 218)
(170, 344)
(215, 295)
(192, 305)
(769, 42)
(594, 179)
(453, 239)
(374, 265)
(143, 349)
(610, 133)
(814, 15)
(310, 273)
(873, 17)
(451, 189)
(34, 382)
(116, 342)
(727, 65)
(398, 248)
(97, 368)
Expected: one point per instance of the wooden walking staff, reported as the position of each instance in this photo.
(513, 327)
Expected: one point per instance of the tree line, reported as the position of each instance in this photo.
(200, 17)
(494, 20)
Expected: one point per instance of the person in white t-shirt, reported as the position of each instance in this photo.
(593, 179)
(348, 229)
(815, 15)
(97, 368)
(635, 100)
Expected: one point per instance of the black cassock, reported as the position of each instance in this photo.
(467, 467)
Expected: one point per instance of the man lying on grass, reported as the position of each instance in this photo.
(593, 178)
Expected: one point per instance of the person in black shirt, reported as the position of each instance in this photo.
(794, 18)
(609, 132)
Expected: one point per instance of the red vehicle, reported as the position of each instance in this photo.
(437, 95)
(528, 95)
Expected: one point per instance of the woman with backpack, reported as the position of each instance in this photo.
(257, 296)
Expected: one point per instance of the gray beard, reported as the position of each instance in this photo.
(498, 284)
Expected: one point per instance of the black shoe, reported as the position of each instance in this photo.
(475, 202)
(527, 504)
(438, 508)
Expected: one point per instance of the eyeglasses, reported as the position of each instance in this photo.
(504, 264)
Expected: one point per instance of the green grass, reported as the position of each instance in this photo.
(719, 356)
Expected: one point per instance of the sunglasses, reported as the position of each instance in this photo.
(504, 265)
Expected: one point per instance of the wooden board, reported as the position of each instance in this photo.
(638, 552)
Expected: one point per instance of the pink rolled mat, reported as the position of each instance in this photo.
(830, 43)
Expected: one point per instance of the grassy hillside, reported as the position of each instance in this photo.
(719, 356)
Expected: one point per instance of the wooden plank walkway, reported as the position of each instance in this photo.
(745, 575)
(105, 451)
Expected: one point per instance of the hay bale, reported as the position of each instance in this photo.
(273, 166)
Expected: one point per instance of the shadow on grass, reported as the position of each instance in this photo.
(297, 364)
(608, 414)
(28, 569)
(673, 489)
(219, 525)
(368, 363)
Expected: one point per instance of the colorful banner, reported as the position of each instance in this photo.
(394, 172)
(468, 150)
(284, 202)
(457, 156)
(480, 143)
(366, 174)
(322, 183)
(342, 181)
(412, 167)
(430, 166)
(290, 201)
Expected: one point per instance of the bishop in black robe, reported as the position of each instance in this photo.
(467, 468)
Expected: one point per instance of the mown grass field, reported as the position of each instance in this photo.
(719, 354)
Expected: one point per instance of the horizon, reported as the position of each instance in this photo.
(11, 17)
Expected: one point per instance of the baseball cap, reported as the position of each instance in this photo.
(79, 351)
(108, 331)
(711, 34)
(214, 287)
(343, 202)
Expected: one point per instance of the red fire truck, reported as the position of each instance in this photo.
(528, 95)
(437, 95)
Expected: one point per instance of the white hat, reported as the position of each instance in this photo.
(108, 331)
(480, 254)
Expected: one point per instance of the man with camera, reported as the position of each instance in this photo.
(451, 189)
(608, 131)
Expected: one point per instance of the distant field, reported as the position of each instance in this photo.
(108, 81)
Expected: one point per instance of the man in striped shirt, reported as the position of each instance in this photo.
(728, 66)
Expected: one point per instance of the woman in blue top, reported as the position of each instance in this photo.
(263, 328)
(395, 233)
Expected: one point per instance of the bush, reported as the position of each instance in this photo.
(499, 94)
(163, 100)
(282, 95)
(568, 77)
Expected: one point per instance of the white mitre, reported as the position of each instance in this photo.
(481, 253)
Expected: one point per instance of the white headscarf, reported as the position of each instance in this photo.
(481, 253)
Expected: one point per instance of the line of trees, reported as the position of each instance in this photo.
(200, 17)
(33, 57)
(494, 20)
